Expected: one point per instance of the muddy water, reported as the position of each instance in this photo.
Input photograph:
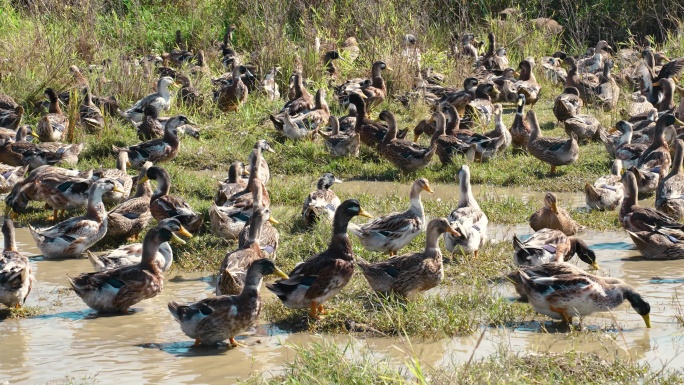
(148, 346)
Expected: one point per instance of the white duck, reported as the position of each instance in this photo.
(467, 219)
(160, 100)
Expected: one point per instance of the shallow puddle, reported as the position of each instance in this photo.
(148, 346)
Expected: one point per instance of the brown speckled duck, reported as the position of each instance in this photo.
(322, 276)
(213, 320)
(410, 274)
(553, 217)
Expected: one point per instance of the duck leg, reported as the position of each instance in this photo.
(54, 215)
(234, 343)
(313, 312)
(322, 310)
(553, 169)
(567, 318)
(475, 254)
(392, 253)
(197, 342)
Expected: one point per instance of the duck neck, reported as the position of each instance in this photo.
(432, 242)
(535, 132)
(453, 124)
(21, 134)
(142, 190)
(391, 132)
(255, 165)
(96, 209)
(252, 286)
(299, 86)
(335, 124)
(163, 90)
(360, 114)
(163, 187)
(149, 250)
(498, 124)
(466, 198)
(121, 160)
(626, 137)
(677, 161)
(667, 103)
(236, 75)
(439, 130)
(170, 136)
(233, 174)
(631, 193)
(10, 240)
(416, 204)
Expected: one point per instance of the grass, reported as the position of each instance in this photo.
(329, 363)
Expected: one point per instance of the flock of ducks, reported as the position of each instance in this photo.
(240, 210)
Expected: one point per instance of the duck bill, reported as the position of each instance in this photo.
(647, 320)
(273, 221)
(365, 213)
(656, 84)
(184, 232)
(245, 173)
(415, 137)
(338, 180)
(143, 179)
(679, 122)
(280, 273)
(362, 95)
(270, 150)
(388, 68)
(554, 207)
(176, 239)
(8, 211)
(428, 189)
(595, 265)
(453, 232)
(118, 190)
(33, 134)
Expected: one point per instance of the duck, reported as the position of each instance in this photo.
(527, 84)
(21, 152)
(157, 150)
(233, 270)
(7, 102)
(163, 205)
(391, 232)
(11, 118)
(230, 97)
(548, 269)
(410, 274)
(320, 114)
(188, 95)
(468, 219)
(670, 191)
(595, 62)
(608, 90)
(341, 144)
(480, 110)
(370, 132)
(51, 127)
(567, 104)
(607, 192)
(659, 243)
(159, 100)
(551, 246)
(27, 190)
(129, 218)
(233, 184)
(404, 154)
(323, 275)
(554, 151)
(577, 295)
(264, 172)
(647, 181)
(377, 91)
(500, 129)
(447, 143)
(586, 127)
(229, 219)
(553, 217)
(216, 319)
(150, 127)
(626, 151)
(10, 176)
(90, 115)
(587, 88)
(635, 218)
(657, 157)
(131, 254)
(70, 238)
(639, 108)
(460, 98)
(296, 129)
(553, 70)
(321, 203)
(16, 274)
(63, 192)
(120, 176)
(269, 85)
(116, 290)
(269, 238)
(520, 128)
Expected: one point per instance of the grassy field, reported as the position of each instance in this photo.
(38, 46)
